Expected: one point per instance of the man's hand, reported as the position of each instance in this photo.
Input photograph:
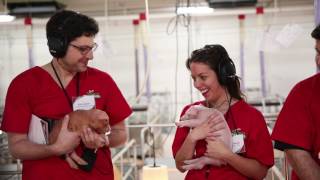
(93, 140)
(74, 160)
(66, 140)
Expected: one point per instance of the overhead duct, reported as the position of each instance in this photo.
(39, 8)
(230, 3)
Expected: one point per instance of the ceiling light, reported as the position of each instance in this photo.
(6, 18)
(194, 10)
(34, 8)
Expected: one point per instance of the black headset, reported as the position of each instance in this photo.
(226, 71)
(58, 42)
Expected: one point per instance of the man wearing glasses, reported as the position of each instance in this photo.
(52, 91)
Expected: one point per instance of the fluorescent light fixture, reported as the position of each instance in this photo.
(194, 10)
(6, 18)
(34, 9)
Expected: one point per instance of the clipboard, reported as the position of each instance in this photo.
(38, 130)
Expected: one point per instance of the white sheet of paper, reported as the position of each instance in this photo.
(37, 130)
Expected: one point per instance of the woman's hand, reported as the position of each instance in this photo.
(189, 119)
(199, 163)
(93, 140)
(217, 149)
(206, 129)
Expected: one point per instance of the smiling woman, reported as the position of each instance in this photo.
(201, 149)
(214, 75)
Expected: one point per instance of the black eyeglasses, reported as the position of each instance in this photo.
(85, 49)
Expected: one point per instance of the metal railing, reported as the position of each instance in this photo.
(144, 144)
(14, 171)
(270, 108)
(128, 165)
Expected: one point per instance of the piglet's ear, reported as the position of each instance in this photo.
(99, 114)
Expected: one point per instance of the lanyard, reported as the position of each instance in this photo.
(63, 89)
(229, 115)
(233, 124)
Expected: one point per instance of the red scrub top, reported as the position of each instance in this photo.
(35, 92)
(298, 123)
(258, 143)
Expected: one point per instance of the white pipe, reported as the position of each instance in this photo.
(170, 15)
(147, 11)
(221, 13)
(151, 125)
(276, 171)
(106, 8)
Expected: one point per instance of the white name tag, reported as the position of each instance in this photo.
(84, 102)
(238, 143)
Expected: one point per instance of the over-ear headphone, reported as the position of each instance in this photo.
(57, 41)
(57, 44)
(226, 71)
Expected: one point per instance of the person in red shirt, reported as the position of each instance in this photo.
(51, 91)
(297, 129)
(214, 75)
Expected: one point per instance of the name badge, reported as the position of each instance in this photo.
(238, 145)
(85, 102)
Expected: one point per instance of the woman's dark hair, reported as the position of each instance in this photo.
(316, 33)
(217, 58)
